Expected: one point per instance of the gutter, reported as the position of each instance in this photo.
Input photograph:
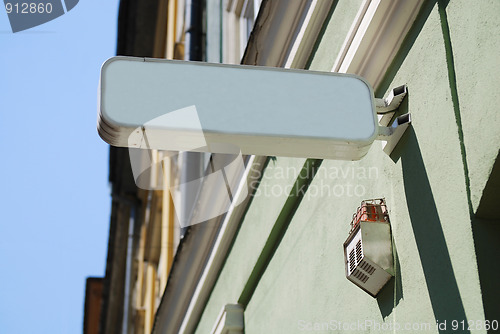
(194, 30)
(128, 266)
(192, 162)
(133, 204)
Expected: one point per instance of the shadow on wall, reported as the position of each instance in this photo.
(487, 244)
(486, 231)
(390, 295)
(434, 255)
(432, 248)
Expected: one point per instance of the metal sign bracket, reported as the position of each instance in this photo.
(387, 108)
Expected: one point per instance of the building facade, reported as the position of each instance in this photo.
(275, 263)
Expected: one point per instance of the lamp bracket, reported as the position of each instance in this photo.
(392, 134)
(387, 107)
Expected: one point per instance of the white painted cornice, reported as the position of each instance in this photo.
(375, 37)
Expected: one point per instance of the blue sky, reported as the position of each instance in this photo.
(55, 202)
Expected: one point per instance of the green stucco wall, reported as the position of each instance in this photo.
(341, 17)
(433, 183)
(474, 32)
(251, 238)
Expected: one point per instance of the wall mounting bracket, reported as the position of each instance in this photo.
(386, 109)
(392, 134)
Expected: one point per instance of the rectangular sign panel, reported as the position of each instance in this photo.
(193, 106)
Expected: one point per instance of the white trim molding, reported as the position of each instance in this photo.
(276, 28)
(375, 37)
(308, 33)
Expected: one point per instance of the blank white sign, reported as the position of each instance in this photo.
(168, 105)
